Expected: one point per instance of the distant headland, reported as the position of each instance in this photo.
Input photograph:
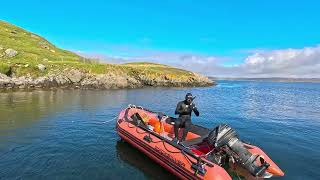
(271, 79)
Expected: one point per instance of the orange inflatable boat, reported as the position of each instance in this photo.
(215, 154)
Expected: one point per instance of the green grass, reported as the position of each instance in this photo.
(4, 68)
(33, 50)
(155, 70)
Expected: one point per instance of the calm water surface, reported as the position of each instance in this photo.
(71, 134)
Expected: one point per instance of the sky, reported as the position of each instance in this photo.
(217, 38)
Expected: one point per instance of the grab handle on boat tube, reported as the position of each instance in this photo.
(199, 167)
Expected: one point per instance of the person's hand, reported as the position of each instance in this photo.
(192, 106)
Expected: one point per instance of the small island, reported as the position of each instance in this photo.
(28, 61)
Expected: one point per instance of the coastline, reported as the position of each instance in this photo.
(76, 79)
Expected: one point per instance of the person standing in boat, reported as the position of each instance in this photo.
(184, 110)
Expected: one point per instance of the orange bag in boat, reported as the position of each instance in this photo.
(158, 128)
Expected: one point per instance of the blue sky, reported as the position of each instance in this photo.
(226, 32)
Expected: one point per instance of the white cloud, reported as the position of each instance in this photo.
(296, 63)
(284, 63)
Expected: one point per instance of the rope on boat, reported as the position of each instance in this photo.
(164, 145)
(111, 120)
(187, 158)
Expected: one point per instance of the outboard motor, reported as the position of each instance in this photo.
(225, 138)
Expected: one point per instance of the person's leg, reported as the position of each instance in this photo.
(187, 126)
(177, 125)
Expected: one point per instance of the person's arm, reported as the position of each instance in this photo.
(178, 109)
(195, 110)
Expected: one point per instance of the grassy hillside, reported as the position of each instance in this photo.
(30, 50)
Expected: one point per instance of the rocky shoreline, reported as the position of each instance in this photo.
(76, 79)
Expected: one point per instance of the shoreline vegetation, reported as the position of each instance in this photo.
(28, 61)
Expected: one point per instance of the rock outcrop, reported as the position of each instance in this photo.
(11, 53)
(73, 78)
(41, 67)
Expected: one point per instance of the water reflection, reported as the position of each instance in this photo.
(21, 109)
(135, 158)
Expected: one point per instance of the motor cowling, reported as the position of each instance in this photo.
(225, 138)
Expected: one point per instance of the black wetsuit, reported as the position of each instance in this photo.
(184, 121)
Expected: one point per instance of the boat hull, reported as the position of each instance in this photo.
(163, 153)
(186, 161)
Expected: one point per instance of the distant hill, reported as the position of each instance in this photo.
(273, 79)
(28, 60)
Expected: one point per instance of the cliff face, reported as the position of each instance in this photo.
(29, 61)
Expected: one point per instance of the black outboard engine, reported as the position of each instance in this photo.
(225, 138)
